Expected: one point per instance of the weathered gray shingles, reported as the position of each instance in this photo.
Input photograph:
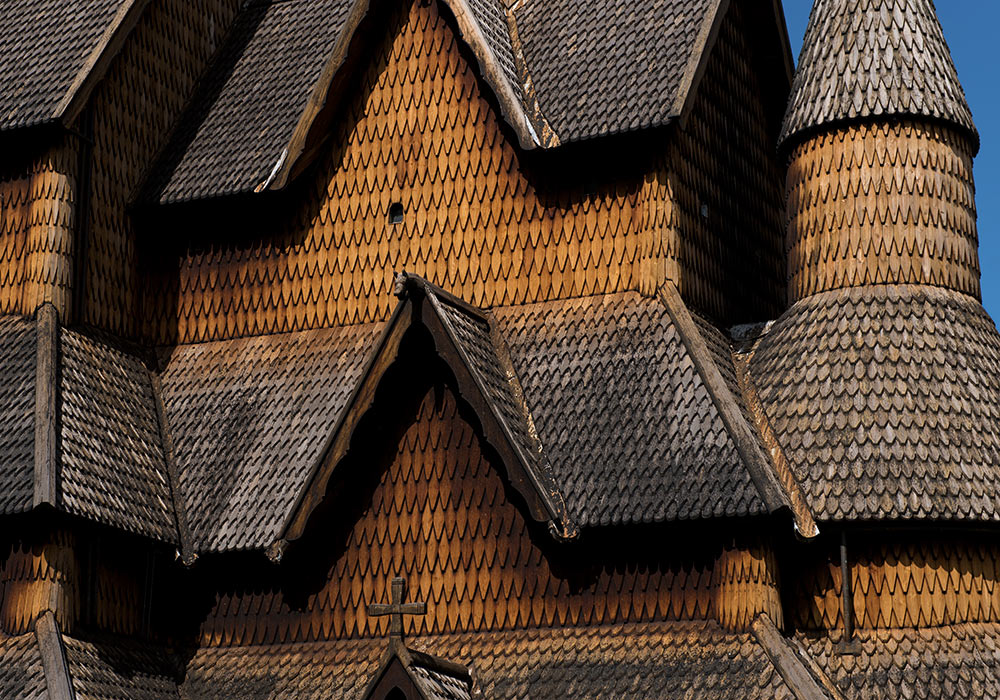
(601, 68)
(22, 676)
(437, 685)
(113, 468)
(863, 58)
(17, 410)
(629, 427)
(656, 660)
(959, 662)
(886, 401)
(250, 102)
(492, 20)
(43, 45)
(136, 671)
(474, 338)
(249, 418)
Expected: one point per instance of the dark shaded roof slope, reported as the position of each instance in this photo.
(17, 411)
(44, 46)
(249, 418)
(960, 662)
(627, 421)
(113, 467)
(105, 670)
(248, 105)
(886, 401)
(22, 676)
(600, 69)
(656, 660)
(570, 71)
(872, 58)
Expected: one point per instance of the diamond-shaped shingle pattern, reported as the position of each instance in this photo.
(874, 58)
(959, 662)
(247, 107)
(600, 69)
(249, 418)
(630, 428)
(22, 676)
(17, 410)
(43, 46)
(113, 466)
(656, 660)
(886, 401)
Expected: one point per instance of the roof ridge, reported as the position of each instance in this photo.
(186, 544)
(805, 522)
(47, 400)
(99, 60)
(547, 504)
(745, 439)
(800, 672)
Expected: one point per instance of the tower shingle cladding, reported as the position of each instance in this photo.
(879, 379)
(864, 59)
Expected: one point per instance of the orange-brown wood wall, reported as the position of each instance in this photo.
(481, 218)
(438, 512)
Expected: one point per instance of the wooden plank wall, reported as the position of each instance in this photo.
(882, 203)
(481, 218)
(434, 508)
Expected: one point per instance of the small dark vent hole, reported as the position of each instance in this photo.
(396, 213)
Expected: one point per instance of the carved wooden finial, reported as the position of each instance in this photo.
(397, 608)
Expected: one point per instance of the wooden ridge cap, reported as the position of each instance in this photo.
(421, 304)
(745, 439)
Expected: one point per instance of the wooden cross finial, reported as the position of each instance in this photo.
(397, 608)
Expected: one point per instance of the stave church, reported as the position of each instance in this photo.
(492, 350)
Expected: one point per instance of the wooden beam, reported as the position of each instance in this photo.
(801, 674)
(99, 60)
(757, 464)
(50, 645)
(46, 484)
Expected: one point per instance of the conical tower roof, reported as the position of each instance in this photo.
(874, 58)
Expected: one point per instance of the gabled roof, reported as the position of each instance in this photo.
(959, 662)
(79, 428)
(17, 414)
(248, 420)
(886, 401)
(231, 444)
(428, 677)
(599, 71)
(47, 665)
(874, 58)
(52, 52)
(563, 71)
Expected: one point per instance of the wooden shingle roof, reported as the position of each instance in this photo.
(52, 51)
(886, 401)
(568, 71)
(874, 58)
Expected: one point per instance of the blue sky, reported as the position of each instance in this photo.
(970, 26)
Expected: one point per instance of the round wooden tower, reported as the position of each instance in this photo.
(879, 141)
